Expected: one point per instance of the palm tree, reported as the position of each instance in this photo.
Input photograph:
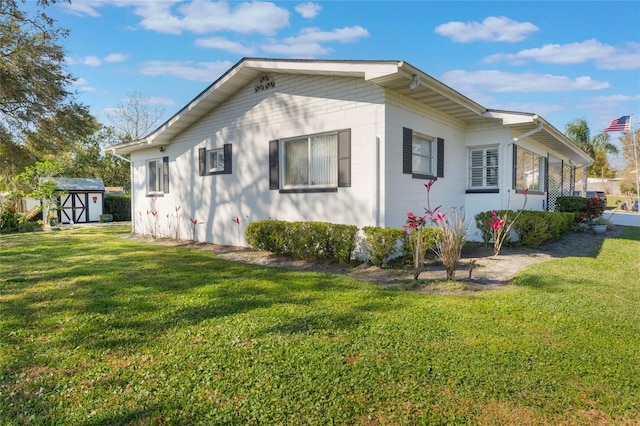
(578, 131)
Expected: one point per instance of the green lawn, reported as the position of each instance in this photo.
(97, 329)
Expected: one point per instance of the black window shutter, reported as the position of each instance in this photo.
(227, 158)
(440, 153)
(407, 145)
(514, 177)
(274, 165)
(165, 174)
(344, 158)
(202, 161)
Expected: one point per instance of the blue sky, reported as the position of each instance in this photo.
(560, 59)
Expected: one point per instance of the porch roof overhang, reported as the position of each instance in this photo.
(537, 128)
(398, 76)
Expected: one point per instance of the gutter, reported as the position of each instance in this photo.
(529, 133)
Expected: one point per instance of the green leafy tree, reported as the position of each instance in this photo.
(578, 131)
(36, 182)
(34, 80)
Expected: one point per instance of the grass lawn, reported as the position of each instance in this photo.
(96, 329)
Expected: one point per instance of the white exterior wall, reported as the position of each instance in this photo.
(403, 193)
(298, 105)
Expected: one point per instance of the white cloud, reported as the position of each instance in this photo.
(188, 70)
(308, 43)
(308, 10)
(95, 61)
(156, 100)
(225, 44)
(491, 29)
(499, 81)
(206, 16)
(83, 85)
(82, 8)
(116, 57)
(604, 55)
(614, 98)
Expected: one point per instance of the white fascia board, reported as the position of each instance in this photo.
(510, 118)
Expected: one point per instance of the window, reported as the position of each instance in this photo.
(215, 161)
(158, 176)
(483, 168)
(529, 170)
(422, 156)
(311, 163)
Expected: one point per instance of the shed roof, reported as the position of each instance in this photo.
(79, 184)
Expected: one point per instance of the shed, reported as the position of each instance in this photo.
(81, 200)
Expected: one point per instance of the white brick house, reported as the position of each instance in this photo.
(340, 141)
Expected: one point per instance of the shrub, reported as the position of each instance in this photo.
(482, 223)
(584, 209)
(381, 244)
(570, 204)
(118, 205)
(304, 240)
(430, 237)
(535, 227)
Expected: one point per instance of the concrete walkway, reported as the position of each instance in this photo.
(623, 218)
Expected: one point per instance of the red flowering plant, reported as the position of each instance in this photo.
(194, 223)
(413, 229)
(450, 237)
(238, 222)
(500, 227)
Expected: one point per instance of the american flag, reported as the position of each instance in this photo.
(619, 124)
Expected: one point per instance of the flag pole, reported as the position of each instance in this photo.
(635, 158)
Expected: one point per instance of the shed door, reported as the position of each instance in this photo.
(74, 208)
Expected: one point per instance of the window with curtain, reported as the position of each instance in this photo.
(310, 161)
(529, 170)
(483, 168)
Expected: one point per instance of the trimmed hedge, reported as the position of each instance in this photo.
(381, 244)
(533, 227)
(304, 240)
(118, 205)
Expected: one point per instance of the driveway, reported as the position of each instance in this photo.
(623, 218)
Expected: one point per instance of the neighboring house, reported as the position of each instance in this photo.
(81, 200)
(340, 141)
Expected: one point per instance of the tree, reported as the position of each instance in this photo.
(136, 117)
(36, 182)
(32, 63)
(597, 147)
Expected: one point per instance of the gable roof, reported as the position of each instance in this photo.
(398, 76)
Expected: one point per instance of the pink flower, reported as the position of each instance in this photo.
(494, 215)
(194, 221)
(236, 220)
(153, 212)
(525, 191)
(429, 184)
(153, 200)
(438, 216)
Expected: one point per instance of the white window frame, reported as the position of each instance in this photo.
(529, 171)
(423, 156)
(489, 170)
(308, 168)
(215, 160)
(156, 187)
